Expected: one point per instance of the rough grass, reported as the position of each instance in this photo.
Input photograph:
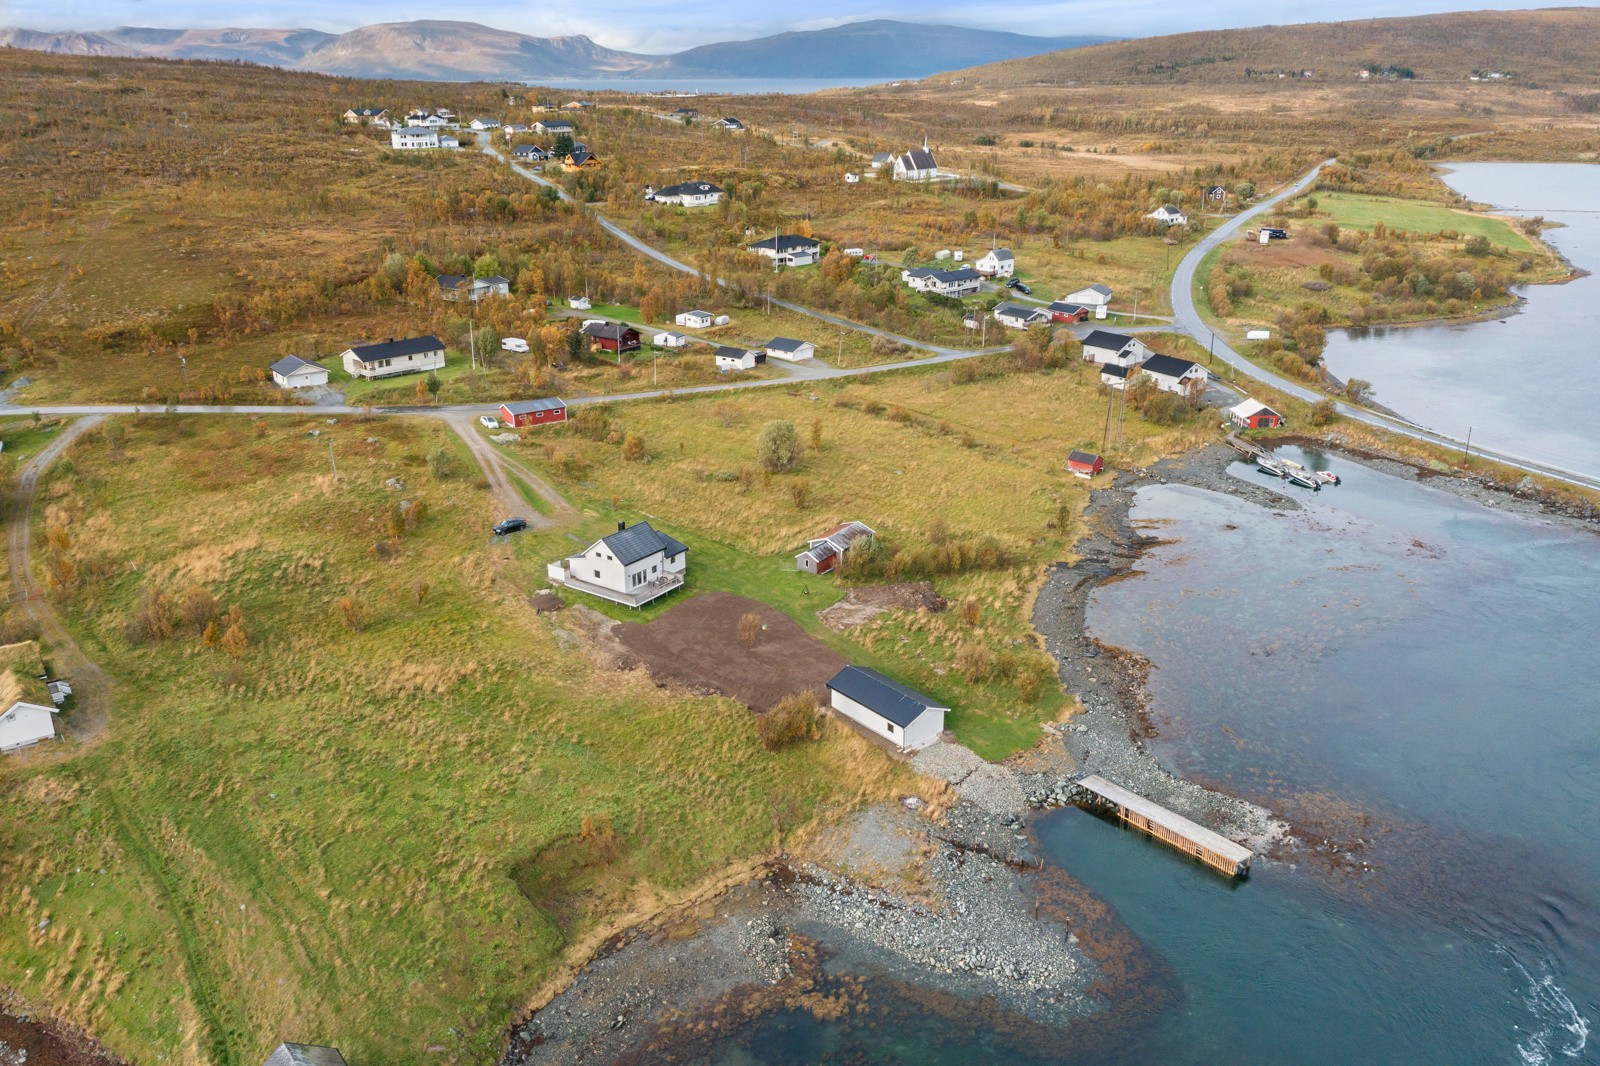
(326, 842)
(1358, 211)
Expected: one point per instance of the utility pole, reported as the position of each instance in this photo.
(1211, 350)
(1466, 455)
(183, 363)
(472, 344)
(332, 461)
(1111, 405)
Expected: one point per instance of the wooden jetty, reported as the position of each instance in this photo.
(1211, 848)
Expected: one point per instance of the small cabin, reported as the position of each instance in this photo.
(1085, 464)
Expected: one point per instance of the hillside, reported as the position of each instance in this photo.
(1551, 47)
(879, 48)
(437, 50)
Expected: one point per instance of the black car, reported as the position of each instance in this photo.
(510, 525)
(1275, 234)
(1016, 283)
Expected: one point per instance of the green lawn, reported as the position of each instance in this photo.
(1358, 211)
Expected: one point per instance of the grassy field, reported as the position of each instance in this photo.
(1358, 211)
(319, 838)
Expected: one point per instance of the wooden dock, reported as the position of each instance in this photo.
(1244, 447)
(1211, 848)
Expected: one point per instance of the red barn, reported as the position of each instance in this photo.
(523, 413)
(1253, 414)
(1085, 464)
(1062, 311)
(615, 337)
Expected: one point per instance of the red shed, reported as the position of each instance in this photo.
(1085, 464)
(523, 413)
(615, 337)
(1253, 414)
(1062, 311)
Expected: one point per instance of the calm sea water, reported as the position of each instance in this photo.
(710, 86)
(1527, 385)
(1403, 673)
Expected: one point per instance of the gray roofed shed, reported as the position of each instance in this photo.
(883, 695)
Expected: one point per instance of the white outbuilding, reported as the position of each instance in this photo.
(293, 372)
(904, 717)
(27, 706)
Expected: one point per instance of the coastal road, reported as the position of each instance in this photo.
(1186, 317)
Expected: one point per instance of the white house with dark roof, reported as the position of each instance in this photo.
(481, 124)
(411, 355)
(669, 339)
(962, 281)
(790, 349)
(553, 125)
(787, 249)
(529, 153)
(881, 160)
(904, 717)
(729, 124)
(293, 372)
(916, 165)
(511, 129)
(1168, 215)
(1019, 316)
(633, 566)
(1172, 374)
(1096, 295)
(1104, 346)
(686, 194)
(27, 706)
(730, 358)
(694, 319)
(997, 263)
(1114, 376)
(362, 116)
(455, 286)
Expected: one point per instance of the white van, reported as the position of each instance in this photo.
(514, 344)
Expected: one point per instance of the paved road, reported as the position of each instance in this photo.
(91, 689)
(1187, 318)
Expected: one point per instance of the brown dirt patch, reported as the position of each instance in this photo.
(866, 603)
(50, 1043)
(1289, 255)
(546, 602)
(696, 644)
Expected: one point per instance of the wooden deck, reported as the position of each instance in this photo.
(1211, 848)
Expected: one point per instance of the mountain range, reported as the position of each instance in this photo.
(466, 51)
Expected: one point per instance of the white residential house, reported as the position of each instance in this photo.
(579, 303)
(633, 566)
(686, 194)
(729, 358)
(1104, 346)
(1172, 374)
(1114, 376)
(881, 160)
(694, 319)
(1169, 215)
(428, 119)
(407, 137)
(997, 263)
(27, 706)
(851, 178)
(481, 124)
(790, 349)
(293, 372)
(455, 286)
(553, 125)
(669, 339)
(916, 165)
(729, 124)
(787, 249)
(529, 153)
(1095, 296)
(412, 355)
(449, 140)
(1019, 316)
(962, 281)
(363, 116)
(904, 717)
(512, 129)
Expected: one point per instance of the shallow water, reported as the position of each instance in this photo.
(1406, 674)
(1529, 384)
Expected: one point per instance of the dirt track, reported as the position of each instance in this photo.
(696, 645)
(499, 469)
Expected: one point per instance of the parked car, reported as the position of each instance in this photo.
(514, 344)
(1016, 283)
(488, 422)
(509, 526)
(1275, 233)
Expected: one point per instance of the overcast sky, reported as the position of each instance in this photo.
(668, 25)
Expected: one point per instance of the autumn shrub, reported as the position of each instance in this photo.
(795, 718)
(778, 447)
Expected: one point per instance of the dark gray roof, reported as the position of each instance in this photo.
(529, 151)
(688, 188)
(394, 349)
(1002, 253)
(555, 124)
(290, 363)
(959, 274)
(725, 351)
(1096, 287)
(918, 159)
(1104, 338)
(1168, 365)
(1114, 370)
(785, 242)
(1017, 310)
(305, 1055)
(615, 331)
(368, 110)
(1067, 308)
(451, 281)
(887, 697)
(528, 407)
(1082, 457)
(786, 344)
(640, 541)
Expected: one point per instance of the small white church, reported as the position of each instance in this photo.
(916, 165)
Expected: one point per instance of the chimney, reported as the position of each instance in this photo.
(621, 526)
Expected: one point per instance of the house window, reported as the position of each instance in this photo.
(597, 573)
(889, 726)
